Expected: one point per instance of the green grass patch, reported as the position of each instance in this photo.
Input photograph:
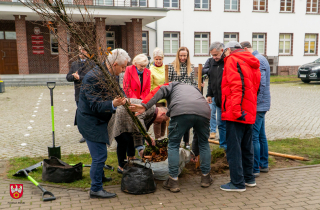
(15, 164)
(217, 153)
(309, 148)
(289, 78)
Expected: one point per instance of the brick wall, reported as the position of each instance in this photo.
(22, 49)
(124, 37)
(130, 40)
(118, 35)
(137, 36)
(41, 64)
(287, 70)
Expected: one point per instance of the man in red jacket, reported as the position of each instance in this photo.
(240, 85)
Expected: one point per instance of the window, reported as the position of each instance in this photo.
(1, 35)
(230, 37)
(10, 35)
(285, 44)
(171, 4)
(54, 44)
(67, 1)
(286, 6)
(104, 2)
(231, 5)
(170, 43)
(312, 6)
(258, 42)
(138, 3)
(201, 4)
(259, 5)
(145, 47)
(310, 42)
(110, 39)
(201, 43)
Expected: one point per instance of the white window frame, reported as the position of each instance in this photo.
(311, 40)
(201, 4)
(105, 3)
(259, 40)
(231, 3)
(201, 40)
(54, 36)
(259, 4)
(147, 42)
(138, 3)
(170, 3)
(284, 40)
(285, 5)
(171, 39)
(310, 8)
(226, 40)
(111, 39)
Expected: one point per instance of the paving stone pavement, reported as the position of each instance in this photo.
(278, 189)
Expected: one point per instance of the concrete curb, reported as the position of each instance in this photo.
(297, 167)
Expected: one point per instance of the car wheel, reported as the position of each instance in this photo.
(305, 81)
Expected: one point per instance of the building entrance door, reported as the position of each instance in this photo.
(8, 54)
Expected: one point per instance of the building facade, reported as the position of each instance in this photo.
(27, 46)
(285, 31)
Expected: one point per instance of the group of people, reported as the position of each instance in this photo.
(238, 90)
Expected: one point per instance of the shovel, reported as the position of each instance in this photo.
(53, 151)
(23, 172)
(108, 167)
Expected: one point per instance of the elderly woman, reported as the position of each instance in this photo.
(136, 81)
(157, 69)
(182, 70)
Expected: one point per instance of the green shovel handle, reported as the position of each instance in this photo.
(33, 181)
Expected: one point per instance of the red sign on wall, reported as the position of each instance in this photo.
(37, 37)
(37, 47)
(37, 42)
(38, 52)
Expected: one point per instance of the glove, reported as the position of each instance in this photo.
(242, 118)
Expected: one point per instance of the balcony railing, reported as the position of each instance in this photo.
(108, 3)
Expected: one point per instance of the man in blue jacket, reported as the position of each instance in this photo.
(95, 109)
(259, 139)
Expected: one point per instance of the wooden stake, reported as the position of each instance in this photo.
(293, 157)
(199, 76)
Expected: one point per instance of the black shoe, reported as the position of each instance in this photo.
(102, 194)
(106, 179)
(82, 140)
(119, 171)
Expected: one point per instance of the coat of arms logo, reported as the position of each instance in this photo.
(16, 191)
(36, 30)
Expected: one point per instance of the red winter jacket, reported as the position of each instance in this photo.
(132, 84)
(240, 85)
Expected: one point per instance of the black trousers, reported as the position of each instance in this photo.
(125, 147)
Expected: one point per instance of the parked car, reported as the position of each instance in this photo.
(310, 71)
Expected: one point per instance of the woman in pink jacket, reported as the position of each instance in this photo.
(136, 81)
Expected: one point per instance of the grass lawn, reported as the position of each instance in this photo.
(309, 148)
(23, 162)
(289, 78)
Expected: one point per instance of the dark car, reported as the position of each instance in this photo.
(310, 71)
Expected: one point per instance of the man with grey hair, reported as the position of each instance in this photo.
(96, 107)
(216, 66)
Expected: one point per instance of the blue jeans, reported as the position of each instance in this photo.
(177, 127)
(260, 143)
(213, 121)
(222, 130)
(98, 152)
(240, 153)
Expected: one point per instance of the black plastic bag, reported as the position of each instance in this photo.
(137, 179)
(55, 170)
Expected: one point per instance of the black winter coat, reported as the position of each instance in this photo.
(82, 68)
(215, 78)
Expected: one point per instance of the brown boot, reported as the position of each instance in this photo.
(206, 181)
(212, 135)
(171, 184)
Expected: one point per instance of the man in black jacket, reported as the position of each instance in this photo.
(216, 65)
(78, 70)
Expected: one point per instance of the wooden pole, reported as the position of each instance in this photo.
(199, 76)
(293, 157)
(166, 80)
